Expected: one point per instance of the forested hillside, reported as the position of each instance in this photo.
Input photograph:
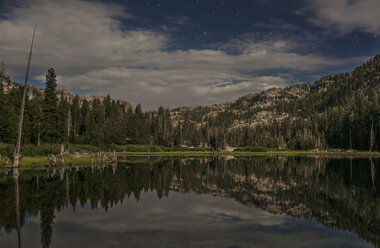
(337, 111)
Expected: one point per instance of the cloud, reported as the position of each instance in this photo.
(93, 49)
(345, 15)
(172, 87)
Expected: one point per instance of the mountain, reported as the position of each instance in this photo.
(303, 116)
(340, 111)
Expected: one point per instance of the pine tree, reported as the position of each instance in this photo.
(7, 116)
(2, 67)
(50, 109)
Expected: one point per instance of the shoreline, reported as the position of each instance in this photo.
(270, 153)
(86, 159)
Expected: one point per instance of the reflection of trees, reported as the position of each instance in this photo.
(340, 193)
(47, 212)
(17, 204)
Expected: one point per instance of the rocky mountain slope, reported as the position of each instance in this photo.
(267, 106)
(302, 115)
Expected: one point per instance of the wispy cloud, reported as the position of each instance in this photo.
(345, 15)
(92, 50)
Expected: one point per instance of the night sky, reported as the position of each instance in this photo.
(186, 52)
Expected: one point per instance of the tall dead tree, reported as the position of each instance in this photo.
(16, 153)
(371, 138)
(350, 140)
(68, 128)
(180, 129)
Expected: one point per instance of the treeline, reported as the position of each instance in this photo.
(51, 118)
(338, 111)
(343, 114)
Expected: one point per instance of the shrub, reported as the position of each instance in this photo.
(41, 150)
(7, 150)
(83, 148)
(251, 149)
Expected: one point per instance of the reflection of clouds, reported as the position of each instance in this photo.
(175, 212)
(234, 214)
(185, 220)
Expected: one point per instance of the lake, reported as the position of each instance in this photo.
(194, 202)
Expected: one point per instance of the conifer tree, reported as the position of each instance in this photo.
(50, 109)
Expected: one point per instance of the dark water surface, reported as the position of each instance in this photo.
(213, 202)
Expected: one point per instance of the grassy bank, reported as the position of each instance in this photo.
(29, 150)
(41, 161)
(269, 153)
(44, 160)
(41, 155)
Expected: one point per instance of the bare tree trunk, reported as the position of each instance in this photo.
(350, 140)
(181, 137)
(351, 168)
(216, 139)
(16, 154)
(68, 128)
(114, 156)
(371, 138)
(172, 134)
(54, 160)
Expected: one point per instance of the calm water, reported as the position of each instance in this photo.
(214, 202)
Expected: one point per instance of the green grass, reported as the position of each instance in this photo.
(269, 153)
(39, 161)
(43, 161)
(45, 150)
(164, 154)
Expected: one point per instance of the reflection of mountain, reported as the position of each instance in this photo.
(339, 193)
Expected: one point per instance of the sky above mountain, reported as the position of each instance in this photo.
(186, 52)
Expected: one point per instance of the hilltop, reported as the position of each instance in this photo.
(302, 116)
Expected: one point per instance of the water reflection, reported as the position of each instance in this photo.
(17, 205)
(341, 194)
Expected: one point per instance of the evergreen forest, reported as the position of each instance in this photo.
(340, 111)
